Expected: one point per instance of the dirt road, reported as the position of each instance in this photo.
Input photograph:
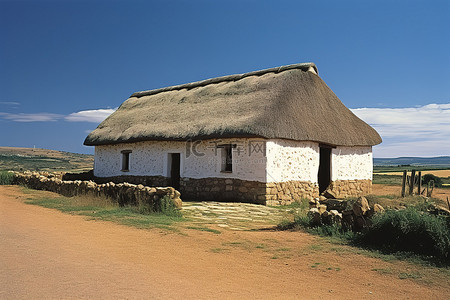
(47, 254)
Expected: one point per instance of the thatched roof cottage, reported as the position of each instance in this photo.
(271, 136)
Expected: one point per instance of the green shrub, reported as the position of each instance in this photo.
(303, 222)
(164, 205)
(6, 178)
(167, 207)
(428, 177)
(409, 230)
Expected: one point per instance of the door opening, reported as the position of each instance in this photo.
(324, 175)
(174, 159)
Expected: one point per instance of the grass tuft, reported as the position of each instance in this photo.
(6, 178)
(204, 229)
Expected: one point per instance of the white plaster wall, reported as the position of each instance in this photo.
(146, 158)
(292, 160)
(203, 160)
(349, 163)
(286, 160)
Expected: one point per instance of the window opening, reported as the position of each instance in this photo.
(125, 160)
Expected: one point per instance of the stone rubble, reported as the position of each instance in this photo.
(334, 211)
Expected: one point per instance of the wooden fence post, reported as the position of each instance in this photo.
(411, 185)
(403, 183)
(430, 188)
(419, 182)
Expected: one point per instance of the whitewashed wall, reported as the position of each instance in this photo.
(286, 160)
(292, 160)
(349, 163)
(151, 158)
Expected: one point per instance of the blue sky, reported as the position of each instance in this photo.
(65, 65)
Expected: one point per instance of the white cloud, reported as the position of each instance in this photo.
(94, 115)
(37, 117)
(9, 103)
(411, 131)
(427, 148)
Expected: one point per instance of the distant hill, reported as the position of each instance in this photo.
(413, 161)
(35, 159)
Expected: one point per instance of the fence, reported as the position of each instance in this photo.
(409, 182)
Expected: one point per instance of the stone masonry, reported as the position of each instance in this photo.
(124, 193)
(237, 190)
(230, 189)
(350, 188)
(284, 193)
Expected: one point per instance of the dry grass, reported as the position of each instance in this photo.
(439, 173)
(101, 202)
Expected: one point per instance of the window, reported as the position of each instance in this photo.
(227, 157)
(125, 160)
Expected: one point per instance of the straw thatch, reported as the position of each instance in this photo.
(289, 102)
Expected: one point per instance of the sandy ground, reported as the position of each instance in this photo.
(47, 254)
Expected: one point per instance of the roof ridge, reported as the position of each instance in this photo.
(235, 77)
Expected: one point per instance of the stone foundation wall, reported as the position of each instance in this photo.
(220, 189)
(284, 193)
(350, 188)
(237, 190)
(223, 189)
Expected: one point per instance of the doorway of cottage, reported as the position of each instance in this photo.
(324, 174)
(174, 167)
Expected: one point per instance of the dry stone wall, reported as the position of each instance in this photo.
(144, 180)
(349, 188)
(284, 193)
(124, 193)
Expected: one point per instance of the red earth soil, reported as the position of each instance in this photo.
(48, 254)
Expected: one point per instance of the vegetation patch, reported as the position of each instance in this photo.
(204, 229)
(432, 178)
(99, 208)
(408, 230)
(19, 159)
(6, 178)
(219, 250)
(387, 179)
(409, 275)
(410, 233)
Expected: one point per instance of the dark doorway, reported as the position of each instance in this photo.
(324, 175)
(175, 170)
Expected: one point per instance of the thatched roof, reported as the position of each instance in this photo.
(289, 102)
